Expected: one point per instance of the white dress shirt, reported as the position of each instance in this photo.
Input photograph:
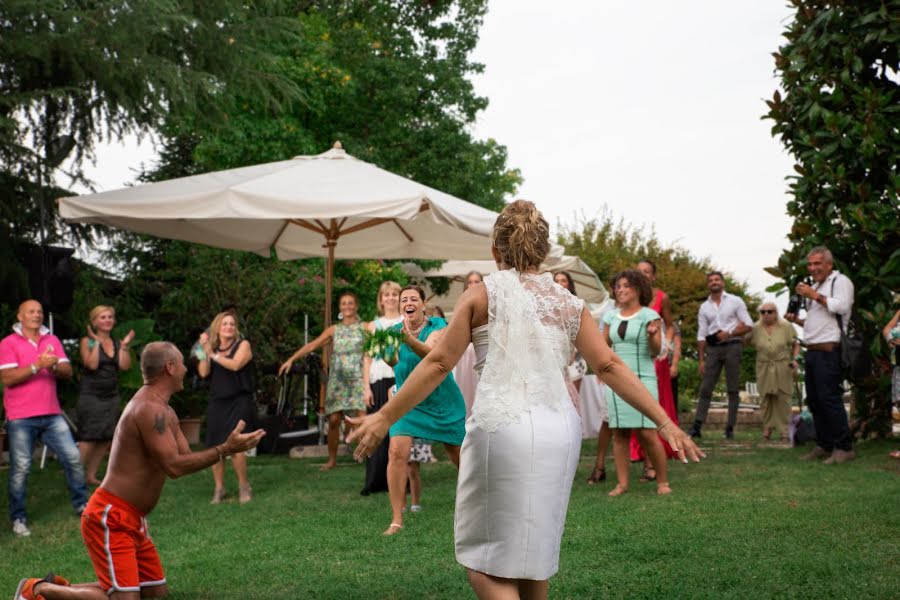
(821, 325)
(724, 316)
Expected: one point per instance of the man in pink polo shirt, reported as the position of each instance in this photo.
(31, 360)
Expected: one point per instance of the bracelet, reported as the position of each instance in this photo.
(221, 455)
(660, 428)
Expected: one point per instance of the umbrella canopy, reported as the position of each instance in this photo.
(331, 204)
(588, 286)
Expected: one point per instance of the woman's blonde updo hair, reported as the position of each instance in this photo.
(99, 310)
(521, 235)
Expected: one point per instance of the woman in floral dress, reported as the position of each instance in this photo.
(348, 388)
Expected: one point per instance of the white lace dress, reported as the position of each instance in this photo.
(523, 438)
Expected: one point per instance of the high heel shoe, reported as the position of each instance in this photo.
(597, 475)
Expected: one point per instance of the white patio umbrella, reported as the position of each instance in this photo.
(330, 204)
(588, 286)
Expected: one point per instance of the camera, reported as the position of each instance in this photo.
(796, 301)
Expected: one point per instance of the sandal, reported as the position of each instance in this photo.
(646, 475)
(218, 495)
(391, 529)
(663, 489)
(246, 494)
(894, 454)
(618, 491)
(597, 475)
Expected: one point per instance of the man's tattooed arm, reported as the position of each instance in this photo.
(159, 423)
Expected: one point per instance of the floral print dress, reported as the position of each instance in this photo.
(345, 391)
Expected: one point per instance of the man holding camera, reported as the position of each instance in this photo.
(828, 298)
(721, 322)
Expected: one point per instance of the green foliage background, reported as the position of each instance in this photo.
(838, 116)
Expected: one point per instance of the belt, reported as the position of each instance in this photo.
(824, 347)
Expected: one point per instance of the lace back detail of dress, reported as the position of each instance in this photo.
(532, 324)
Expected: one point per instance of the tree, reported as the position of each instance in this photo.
(74, 73)
(838, 117)
(391, 81)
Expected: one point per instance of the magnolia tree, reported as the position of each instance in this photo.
(837, 114)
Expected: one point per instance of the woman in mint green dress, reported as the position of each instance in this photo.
(441, 417)
(633, 332)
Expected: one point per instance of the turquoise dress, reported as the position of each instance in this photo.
(440, 417)
(634, 350)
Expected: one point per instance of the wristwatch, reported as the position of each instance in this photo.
(34, 369)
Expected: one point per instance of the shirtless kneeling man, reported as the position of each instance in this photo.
(147, 447)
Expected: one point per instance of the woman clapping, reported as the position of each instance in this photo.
(226, 361)
(98, 397)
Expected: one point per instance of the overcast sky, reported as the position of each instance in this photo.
(649, 108)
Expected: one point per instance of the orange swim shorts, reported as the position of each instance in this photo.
(118, 542)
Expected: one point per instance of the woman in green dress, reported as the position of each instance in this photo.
(776, 362)
(633, 332)
(348, 390)
(440, 417)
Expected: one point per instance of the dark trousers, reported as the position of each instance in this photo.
(824, 396)
(376, 465)
(728, 356)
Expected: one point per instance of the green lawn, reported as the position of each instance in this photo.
(749, 522)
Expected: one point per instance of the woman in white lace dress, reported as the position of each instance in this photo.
(524, 437)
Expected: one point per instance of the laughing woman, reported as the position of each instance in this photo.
(348, 389)
(440, 417)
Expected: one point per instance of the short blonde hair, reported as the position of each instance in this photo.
(99, 310)
(521, 235)
(217, 323)
(386, 286)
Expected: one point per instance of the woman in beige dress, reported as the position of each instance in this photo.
(776, 362)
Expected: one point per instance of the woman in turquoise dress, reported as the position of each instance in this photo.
(348, 392)
(633, 332)
(441, 417)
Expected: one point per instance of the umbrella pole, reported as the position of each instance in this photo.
(330, 243)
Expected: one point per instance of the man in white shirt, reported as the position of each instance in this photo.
(829, 298)
(721, 322)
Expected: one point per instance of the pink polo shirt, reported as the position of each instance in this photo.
(36, 396)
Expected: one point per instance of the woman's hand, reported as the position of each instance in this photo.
(673, 370)
(652, 328)
(129, 337)
(681, 442)
(369, 431)
(368, 397)
(92, 334)
(286, 366)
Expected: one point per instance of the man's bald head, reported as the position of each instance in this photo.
(31, 315)
(155, 357)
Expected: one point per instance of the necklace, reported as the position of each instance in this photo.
(155, 395)
(415, 332)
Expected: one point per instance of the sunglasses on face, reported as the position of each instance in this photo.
(767, 312)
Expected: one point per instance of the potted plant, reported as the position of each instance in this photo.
(189, 405)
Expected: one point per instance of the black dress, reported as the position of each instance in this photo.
(230, 399)
(98, 406)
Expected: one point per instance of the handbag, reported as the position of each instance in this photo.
(855, 358)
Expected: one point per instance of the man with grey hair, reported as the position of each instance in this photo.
(828, 302)
(147, 447)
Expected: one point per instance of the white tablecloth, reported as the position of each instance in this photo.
(593, 406)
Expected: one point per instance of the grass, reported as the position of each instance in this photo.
(750, 522)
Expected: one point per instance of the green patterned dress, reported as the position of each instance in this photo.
(345, 377)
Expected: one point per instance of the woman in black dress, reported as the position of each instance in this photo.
(98, 409)
(226, 359)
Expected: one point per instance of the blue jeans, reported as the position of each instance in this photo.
(54, 433)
